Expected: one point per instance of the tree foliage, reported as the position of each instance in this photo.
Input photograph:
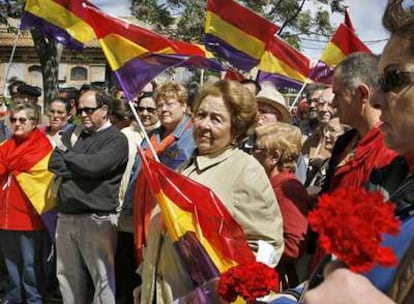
(189, 15)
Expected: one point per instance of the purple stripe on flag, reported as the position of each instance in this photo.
(195, 259)
(49, 220)
(201, 63)
(279, 81)
(29, 20)
(237, 58)
(322, 73)
(137, 72)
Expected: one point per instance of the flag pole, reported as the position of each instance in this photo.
(201, 78)
(299, 94)
(11, 60)
(311, 74)
(141, 126)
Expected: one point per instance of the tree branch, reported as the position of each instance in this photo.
(277, 5)
(287, 21)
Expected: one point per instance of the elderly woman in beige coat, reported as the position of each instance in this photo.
(223, 113)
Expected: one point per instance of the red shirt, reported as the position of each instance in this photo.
(294, 205)
(355, 168)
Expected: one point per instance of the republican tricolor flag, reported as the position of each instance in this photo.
(283, 65)
(27, 164)
(343, 43)
(137, 55)
(63, 20)
(236, 33)
(206, 237)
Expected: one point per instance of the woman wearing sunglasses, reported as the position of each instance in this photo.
(21, 229)
(58, 115)
(147, 112)
(396, 102)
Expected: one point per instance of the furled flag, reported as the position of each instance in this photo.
(28, 164)
(137, 55)
(62, 20)
(207, 239)
(348, 21)
(283, 65)
(343, 43)
(236, 33)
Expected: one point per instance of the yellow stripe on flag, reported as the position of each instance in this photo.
(180, 222)
(36, 185)
(270, 64)
(233, 36)
(332, 55)
(59, 16)
(113, 43)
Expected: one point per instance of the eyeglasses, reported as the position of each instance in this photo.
(393, 79)
(22, 120)
(312, 100)
(56, 112)
(168, 105)
(145, 94)
(149, 109)
(87, 110)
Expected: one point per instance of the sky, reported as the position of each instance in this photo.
(365, 14)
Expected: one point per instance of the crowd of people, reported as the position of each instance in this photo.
(268, 167)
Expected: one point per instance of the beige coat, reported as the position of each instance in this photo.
(243, 187)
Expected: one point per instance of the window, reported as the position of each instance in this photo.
(34, 69)
(79, 73)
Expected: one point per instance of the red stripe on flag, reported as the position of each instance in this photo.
(243, 18)
(346, 40)
(289, 55)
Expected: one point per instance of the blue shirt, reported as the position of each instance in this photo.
(173, 156)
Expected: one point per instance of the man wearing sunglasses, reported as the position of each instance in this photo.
(91, 168)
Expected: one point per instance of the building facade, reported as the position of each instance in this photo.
(75, 68)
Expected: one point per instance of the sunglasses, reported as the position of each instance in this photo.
(87, 110)
(149, 109)
(392, 79)
(145, 95)
(22, 120)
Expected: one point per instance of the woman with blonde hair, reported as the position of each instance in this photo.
(277, 148)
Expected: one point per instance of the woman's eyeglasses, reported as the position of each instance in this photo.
(22, 120)
(149, 109)
(393, 79)
(87, 110)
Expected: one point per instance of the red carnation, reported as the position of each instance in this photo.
(351, 223)
(249, 281)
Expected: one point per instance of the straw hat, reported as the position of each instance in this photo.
(272, 97)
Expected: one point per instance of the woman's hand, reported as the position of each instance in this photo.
(342, 286)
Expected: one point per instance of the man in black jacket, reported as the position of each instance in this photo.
(90, 164)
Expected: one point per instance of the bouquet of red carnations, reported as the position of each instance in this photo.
(351, 223)
(249, 281)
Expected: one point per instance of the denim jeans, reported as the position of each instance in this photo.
(85, 247)
(22, 255)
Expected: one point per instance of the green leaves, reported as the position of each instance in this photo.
(184, 19)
